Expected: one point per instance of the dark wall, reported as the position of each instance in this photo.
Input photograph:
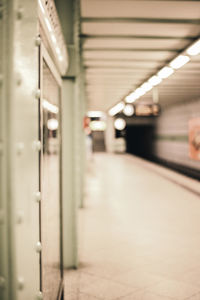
(139, 140)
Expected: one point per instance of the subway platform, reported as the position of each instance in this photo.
(139, 233)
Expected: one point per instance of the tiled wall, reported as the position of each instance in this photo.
(171, 134)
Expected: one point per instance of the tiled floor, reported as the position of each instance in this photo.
(139, 235)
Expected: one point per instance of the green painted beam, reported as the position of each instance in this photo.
(148, 37)
(140, 20)
(119, 67)
(133, 49)
(125, 60)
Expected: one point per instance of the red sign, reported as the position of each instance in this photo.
(194, 138)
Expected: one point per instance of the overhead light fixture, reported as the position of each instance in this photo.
(53, 38)
(41, 6)
(50, 107)
(131, 98)
(139, 92)
(194, 49)
(154, 80)
(116, 109)
(179, 61)
(58, 50)
(128, 110)
(52, 124)
(165, 72)
(98, 126)
(120, 124)
(146, 87)
(48, 24)
(95, 114)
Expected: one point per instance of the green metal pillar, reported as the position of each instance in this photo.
(73, 134)
(19, 211)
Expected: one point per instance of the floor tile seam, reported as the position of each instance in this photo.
(125, 284)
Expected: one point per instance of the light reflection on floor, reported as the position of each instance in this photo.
(139, 235)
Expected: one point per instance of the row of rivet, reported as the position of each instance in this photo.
(20, 148)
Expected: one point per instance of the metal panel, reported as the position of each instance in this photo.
(51, 267)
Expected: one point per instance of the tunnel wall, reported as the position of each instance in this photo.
(171, 135)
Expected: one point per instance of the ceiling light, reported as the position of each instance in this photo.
(139, 92)
(60, 57)
(165, 72)
(116, 109)
(52, 124)
(50, 107)
(58, 50)
(95, 114)
(131, 98)
(48, 25)
(194, 49)
(53, 38)
(146, 86)
(120, 124)
(97, 125)
(179, 61)
(154, 80)
(41, 6)
(128, 110)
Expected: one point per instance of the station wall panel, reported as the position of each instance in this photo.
(171, 140)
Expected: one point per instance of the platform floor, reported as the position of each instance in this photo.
(139, 235)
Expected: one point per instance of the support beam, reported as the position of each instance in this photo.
(140, 20)
(148, 37)
(134, 49)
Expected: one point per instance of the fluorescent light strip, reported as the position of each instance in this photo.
(154, 80)
(58, 50)
(165, 72)
(50, 107)
(179, 61)
(48, 24)
(131, 98)
(41, 6)
(116, 109)
(146, 86)
(53, 38)
(194, 49)
(95, 114)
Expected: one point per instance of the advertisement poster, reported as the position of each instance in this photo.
(194, 138)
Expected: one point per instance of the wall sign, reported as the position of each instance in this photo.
(194, 138)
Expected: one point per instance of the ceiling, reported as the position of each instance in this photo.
(124, 42)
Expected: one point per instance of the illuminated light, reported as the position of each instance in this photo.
(131, 98)
(154, 80)
(53, 38)
(50, 107)
(41, 6)
(60, 57)
(179, 61)
(116, 109)
(194, 49)
(139, 92)
(97, 125)
(165, 72)
(95, 114)
(48, 25)
(146, 86)
(52, 124)
(58, 50)
(128, 110)
(120, 124)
